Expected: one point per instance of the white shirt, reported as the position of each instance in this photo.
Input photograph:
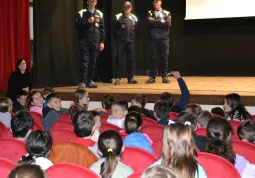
(117, 122)
(44, 163)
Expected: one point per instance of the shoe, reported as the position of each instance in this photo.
(132, 81)
(165, 80)
(150, 80)
(117, 81)
(91, 85)
(82, 85)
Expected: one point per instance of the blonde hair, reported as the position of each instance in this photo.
(159, 172)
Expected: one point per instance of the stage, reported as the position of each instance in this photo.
(203, 90)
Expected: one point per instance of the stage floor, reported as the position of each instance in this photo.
(204, 90)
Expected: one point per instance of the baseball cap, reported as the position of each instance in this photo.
(127, 4)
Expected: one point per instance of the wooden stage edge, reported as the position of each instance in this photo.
(203, 90)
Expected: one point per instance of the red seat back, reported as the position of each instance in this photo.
(2, 128)
(62, 125)
(244, 149)
(7, 134)
(157, 147)
(72, 170)
(173, 115)
(148, 121)
(137, 175)
(62, 135)
(123, 135)
(109, 127)
(201, 131)
(12, 149)
(138, 159)
(154, 132)
(35, 115)
(65, 118)
(37, 126)
(235, 124)
(253, 117)
(6, 167)
(216, 166)
(104, 118)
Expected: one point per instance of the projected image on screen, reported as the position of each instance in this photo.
(209, 9)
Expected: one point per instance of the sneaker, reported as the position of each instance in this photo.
(117, 81)
(132, 81)
(82, 85)
(165, 80)
(150, 80)
(91, 85)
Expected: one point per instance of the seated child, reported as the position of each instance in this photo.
(110, 147)
(98, 125)
(246, 131)
(134, 108)
(106, 104)
(21, 125)
(74, 109)
(5, 115)
(133, 124)
(35, 102)
(27, 171)
(119, 112)
(193, 108)
(161, 112)
(39, 144)
(159, 172)
(46, 92)
(203, 118)
(82, 98)
(218, 111)
(21, 101)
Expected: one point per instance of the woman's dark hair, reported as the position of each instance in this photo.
(133, 121)
(219, 141)
(168, 97)
(247, 131)
(110, 145)
(107, 101)
(238, 110)
(18, 64)
(27, 171)
(194, 108)
(30, 98)
(219, 111)
(141, 99)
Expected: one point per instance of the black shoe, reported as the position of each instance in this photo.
(150, 80)
(132, 81)
(165, 80)
(91, 85)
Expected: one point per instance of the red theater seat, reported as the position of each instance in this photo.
(62, 125)
(109, 127)
(148, 121)
(157, 147)
(173, 115)
(12, 149)
(62, 135)
(6, 166)
(154, 132)
(2, 128)
(65, 118)
(235, 124)
(244, 149)
(201, 131)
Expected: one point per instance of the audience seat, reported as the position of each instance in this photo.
(155, 131)
(253, 117)
(173, 115)
(65, 118)
(109, 127)
(69, 171)
(137, 175)
(201, 131)
(104, 118)
(12, 149)
(157, 147)
(62, 125)
(244, 149)
(138, 159)
(35, 115)
(62, 135)
(123, 135)
(6, 166)
(7, 134)
(37, 126)
(216, 166)
(74, 153)
(148, 121)
(235, 124)
(2, 128)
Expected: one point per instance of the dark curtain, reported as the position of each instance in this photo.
(14, 37)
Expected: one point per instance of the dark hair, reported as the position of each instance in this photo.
(18, 64)
(21, 123)
(47, 91)
(21, 93)
(4, 104)
(39, 143)
(218, 111)
(83, 124)
(247, 131)
(238, 110)
(95, 113)
(194, 108)
(162, 109)
(141, 99)
(133, 121)
(74, 109)
(203, 118)
(135, 108)
(186, 116)
(167, 97)
(30, 98)
(107, 101)
(51, 97)
(27, 171)
(159, 172)
(219, 142)
(110, 145)
(79, 94)
(122, 104)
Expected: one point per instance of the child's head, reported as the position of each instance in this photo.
(167, 97)
(98, 120)
(39, 143)
(133, 122)
(139, 100)
(187, 118)
(22, 97)
(159, 172)
(4, 104)
(218, 111)
(179, 151)
(194, 108)
(219, 142)
(107, 101)
(161, 110)
(110, 146)
(35, 99)
(135, 108)
(84, 124)
(74, 109)
(47, 91)
(203, 118)
(82, 97)
(119, 109)
(27, 171)
(21, 125)
(246, 131)
(53, 101)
